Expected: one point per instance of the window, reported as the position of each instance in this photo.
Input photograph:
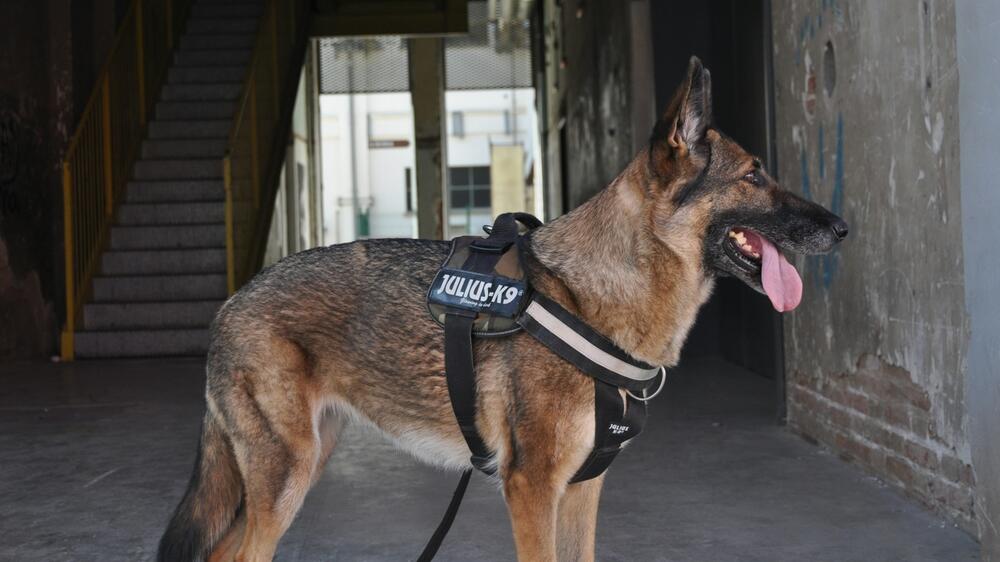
(457, 124)
(469, 187)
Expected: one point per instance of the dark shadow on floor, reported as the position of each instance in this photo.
(94, 456)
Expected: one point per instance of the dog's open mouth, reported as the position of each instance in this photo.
(760, 259)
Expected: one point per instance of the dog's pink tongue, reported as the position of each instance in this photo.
(781, 282)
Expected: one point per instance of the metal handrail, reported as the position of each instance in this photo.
(258, 133)
(106, 143)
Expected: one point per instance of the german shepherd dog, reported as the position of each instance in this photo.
(342, 334)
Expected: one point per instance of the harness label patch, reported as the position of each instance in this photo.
(618, 429)
(475, 291)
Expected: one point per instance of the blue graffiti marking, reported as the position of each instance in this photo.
(822, 155)
(831, 261)
(822, 269)
(838, 173)
(812, 262)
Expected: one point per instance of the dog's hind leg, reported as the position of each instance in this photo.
(329, 430)
(577, 520)
(273, 413)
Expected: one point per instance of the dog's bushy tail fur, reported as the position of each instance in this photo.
(212, 500)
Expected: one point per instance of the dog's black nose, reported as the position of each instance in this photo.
(839, 227)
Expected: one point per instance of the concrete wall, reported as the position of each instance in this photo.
(35, 118)
(979, 68)
(590, 96)
(868, 125)
(50, 54)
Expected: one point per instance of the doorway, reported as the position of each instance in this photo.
(732, 38)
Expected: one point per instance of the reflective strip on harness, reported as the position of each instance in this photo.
(576, 342)
(573, 339)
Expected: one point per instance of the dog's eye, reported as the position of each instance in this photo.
(753, 178)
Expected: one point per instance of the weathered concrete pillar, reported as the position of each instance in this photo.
(427, 92)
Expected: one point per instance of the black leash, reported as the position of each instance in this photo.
(449, 517)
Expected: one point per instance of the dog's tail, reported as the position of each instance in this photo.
(212, 500)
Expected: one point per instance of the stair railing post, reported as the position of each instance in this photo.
(109, 207)
(66, 341)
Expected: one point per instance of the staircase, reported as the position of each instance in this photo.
(163, 275)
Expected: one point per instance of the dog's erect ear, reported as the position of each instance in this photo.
(690, 111)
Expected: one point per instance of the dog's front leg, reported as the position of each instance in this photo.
(532, 501)
(577, 520)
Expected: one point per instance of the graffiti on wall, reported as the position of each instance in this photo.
(825, 188)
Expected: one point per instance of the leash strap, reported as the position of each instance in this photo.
(449, 517)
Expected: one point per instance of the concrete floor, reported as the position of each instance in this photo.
(94, 456)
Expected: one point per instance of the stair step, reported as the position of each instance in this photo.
(178, 314)
(141, 343)
(163, 262)
(206, 74)
(178, 149)
(195, 110)
(212, 57)
(230, 24)
(133, 214)
(201, 92)
(203, 10)
(160, 287)
(187, 169)
(216, 41)
(166, 237)
(174, 191)
(201, 129)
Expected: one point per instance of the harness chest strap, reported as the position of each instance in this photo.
(618, 416)
(576, 342)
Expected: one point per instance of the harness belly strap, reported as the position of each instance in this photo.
(461, 376)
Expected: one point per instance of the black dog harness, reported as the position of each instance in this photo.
(482, 291)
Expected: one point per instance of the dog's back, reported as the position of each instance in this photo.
(333, 296)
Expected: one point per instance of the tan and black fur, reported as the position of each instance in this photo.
(342, 335)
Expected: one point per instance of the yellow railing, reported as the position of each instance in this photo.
(259, 135)
(107, 139)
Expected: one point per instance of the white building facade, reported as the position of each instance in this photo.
(369, 186)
